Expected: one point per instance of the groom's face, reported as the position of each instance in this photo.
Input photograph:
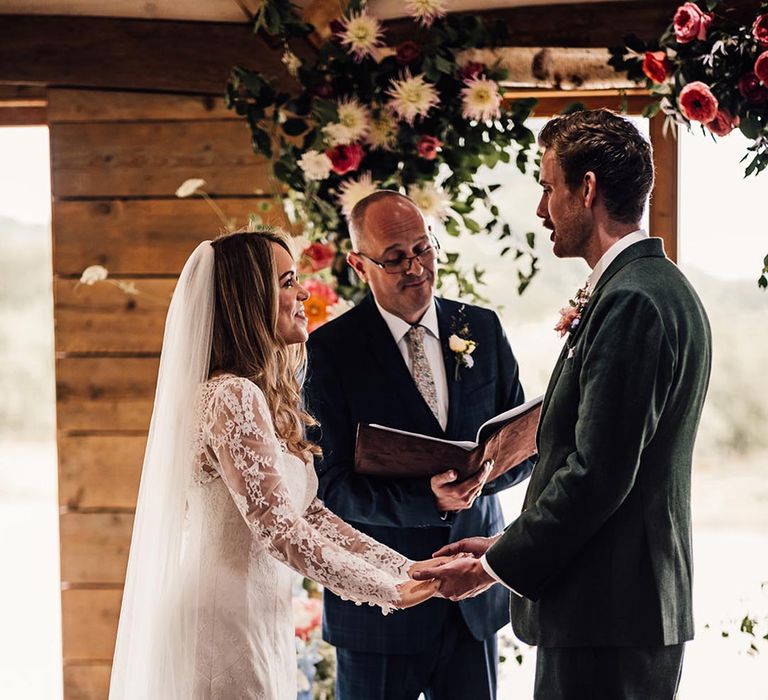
(563, 211)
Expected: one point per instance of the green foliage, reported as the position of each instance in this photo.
(284, 126)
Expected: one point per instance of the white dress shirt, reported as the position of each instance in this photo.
(432, 348)
(597, 272)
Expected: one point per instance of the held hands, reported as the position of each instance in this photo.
(457, 568)
(414, 592)
(452, 496)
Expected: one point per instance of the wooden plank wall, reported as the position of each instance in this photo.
(117, 159)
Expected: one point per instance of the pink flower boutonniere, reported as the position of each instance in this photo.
(570, 316)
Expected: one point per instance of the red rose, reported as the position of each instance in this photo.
(471, 70)
(656, 66)
(407, 51)
(316, 257)
(723, 123)
(760, 29)
(691, 23)
(751, 89)
(345, 159)
(761, 68)
(427, 147)
(697, 103)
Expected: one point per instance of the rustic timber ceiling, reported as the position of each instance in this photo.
(226, 10)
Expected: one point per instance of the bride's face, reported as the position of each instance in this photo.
(291, 321)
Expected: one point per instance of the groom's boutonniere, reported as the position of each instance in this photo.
(570, 316)
(461, 343)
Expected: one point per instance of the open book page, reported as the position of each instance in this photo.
(484, 431)
(464, 444)
(490, 425)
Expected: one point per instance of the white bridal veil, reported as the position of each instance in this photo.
(155, 653)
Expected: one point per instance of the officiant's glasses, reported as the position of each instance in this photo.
(402, 263)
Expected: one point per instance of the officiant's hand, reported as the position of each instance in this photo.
(452, 496)
(415, 592)
(476, 546)
(464, 577)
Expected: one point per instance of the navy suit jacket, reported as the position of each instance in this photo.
(357, 375)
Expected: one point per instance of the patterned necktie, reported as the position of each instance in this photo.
(422, 372)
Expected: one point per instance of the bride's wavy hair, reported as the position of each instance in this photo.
(245, 339)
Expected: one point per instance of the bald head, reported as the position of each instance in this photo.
(383, 209)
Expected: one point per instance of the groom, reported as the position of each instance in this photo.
(599, 561)
(388, 361)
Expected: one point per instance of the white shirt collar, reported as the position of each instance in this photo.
(612, 253)
(399, 328)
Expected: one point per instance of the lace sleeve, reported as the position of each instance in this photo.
(248, 455)
(352, 540)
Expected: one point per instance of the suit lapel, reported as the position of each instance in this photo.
(385, 352)
(653, 247)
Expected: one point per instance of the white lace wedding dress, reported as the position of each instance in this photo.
(261, 518)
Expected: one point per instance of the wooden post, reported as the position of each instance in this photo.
(663, 207)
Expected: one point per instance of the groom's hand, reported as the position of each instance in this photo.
(452, 496)
(476, 546)
(463, 577)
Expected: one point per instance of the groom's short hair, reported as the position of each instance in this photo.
(610, 146)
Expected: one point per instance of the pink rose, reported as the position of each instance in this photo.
(407, 51)
(760, 29)
(345, 158)
(316, 257)
(307, 616)
(761, 68)
(691, 23)
(723, 123)
(427, 147)
(656, 66)
(751, 89)
(697, 103)
(471, 70)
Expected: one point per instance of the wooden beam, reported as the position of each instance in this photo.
(663, 219)
(97, 395)
(151, 159)
(190, 57)
(89, 624)
(577, 25)
(86, 680)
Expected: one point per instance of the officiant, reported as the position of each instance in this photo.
(389, 361)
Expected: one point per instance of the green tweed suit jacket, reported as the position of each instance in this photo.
(601, 553)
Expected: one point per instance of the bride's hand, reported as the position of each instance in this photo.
(431, 563)
(415, 592)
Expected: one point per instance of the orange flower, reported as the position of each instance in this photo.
(321, 296)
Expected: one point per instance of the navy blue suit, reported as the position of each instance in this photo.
(357, 375)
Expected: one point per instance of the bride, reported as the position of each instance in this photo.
(227, 504)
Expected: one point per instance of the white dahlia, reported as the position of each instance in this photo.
(431, 200)
(315, 165)
(337, 134)
(361, 35)
(352, 191)
(383, 131)
(412, 96)
(355, 117)
(426, 11)
(481, 100)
